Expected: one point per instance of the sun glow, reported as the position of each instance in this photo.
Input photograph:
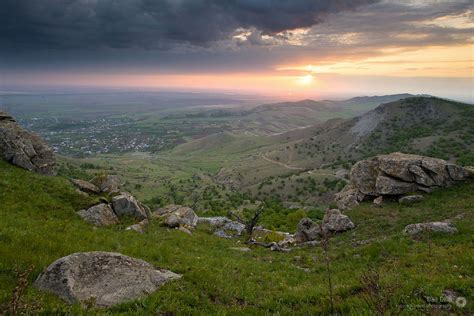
(306, 80)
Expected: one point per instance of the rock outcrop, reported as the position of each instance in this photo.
(177, 215)
(397, 174)
(101, 278)
(99, 215)
(23, 148)
(85, 186)
(126, 205)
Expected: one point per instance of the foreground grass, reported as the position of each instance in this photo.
(38, 225)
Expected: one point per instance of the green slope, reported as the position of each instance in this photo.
(38, 225)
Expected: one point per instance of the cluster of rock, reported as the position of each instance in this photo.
(102, 279)
(103, 183)
(122, 205)
(333, 222)
(395, 175)
(23, 148)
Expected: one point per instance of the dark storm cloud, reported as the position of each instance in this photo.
(92, 24)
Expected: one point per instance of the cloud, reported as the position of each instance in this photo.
(152, 24)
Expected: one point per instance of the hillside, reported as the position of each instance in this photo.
(39, 225)
(423, 125)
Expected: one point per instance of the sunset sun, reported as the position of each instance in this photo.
(306, 80)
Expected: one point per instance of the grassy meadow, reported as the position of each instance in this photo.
(39, 225)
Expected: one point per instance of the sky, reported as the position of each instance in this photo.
(286, 48)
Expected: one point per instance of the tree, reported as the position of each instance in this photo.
(250, 223)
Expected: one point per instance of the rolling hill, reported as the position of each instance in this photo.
(422, 125)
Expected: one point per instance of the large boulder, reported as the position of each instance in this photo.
(85, 186)
(99, 215)
(336, 222)
(177, 215)
(125, 204)
(23, 148)
(101, 278)
(439, 227)
(397, 174)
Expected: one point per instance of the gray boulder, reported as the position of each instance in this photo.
(335, 222)
(410, 199)
(24, 149)
(126, 205)
(85, 186)
(104, 278)
(307, 230)
(230, 230)
(439, 227)
(99, 215)
(177, 215)
(348, 198)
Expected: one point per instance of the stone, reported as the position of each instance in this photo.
(437, 169)
(348, 198)
(24, 149)
(107, 183)
(140, 227)
(390, 186)
(335, 222)
(397, 174)
(410, 199)
(378, 201)
(364, 174)
(242, 249)
(85, 186)
(217, 221)
(99, 215)
(396, 165)
(438, 227)
(184, 230)
(307, 230)
(230, 230)
(457, 173)
(125, 204)
(103, 278)
(177, 215)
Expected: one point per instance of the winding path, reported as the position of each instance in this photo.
(281, 163)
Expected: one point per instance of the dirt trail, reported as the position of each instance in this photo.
(315, 172)
(281, 163)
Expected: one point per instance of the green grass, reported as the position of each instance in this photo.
(39, 225)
